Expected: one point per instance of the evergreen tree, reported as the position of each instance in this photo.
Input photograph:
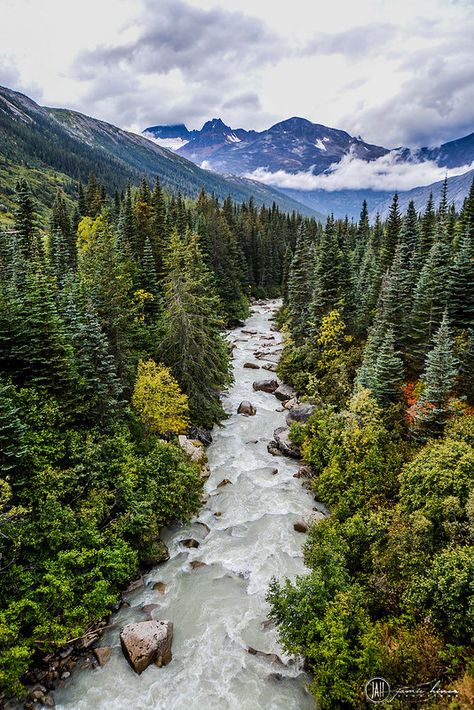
(428, 224)
(13, 446)
(44, 353)
(98, 387)
(300, 285)
(387, 372)
(191, 341)
(461, 293)
(391, 235)
(429, 301)
(25, 221)
(439, 376)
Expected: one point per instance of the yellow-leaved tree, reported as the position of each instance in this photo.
(158, 399)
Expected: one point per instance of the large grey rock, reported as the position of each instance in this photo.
(300, 413)
(265, 385)
(193, 448)
(285, 392)
(247, 408)
(309, 518)
(147, 642)
(284, 444)
(251, 366)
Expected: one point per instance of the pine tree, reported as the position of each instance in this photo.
(461, 290)
(300, 285)
(43, 350)
(387, 373)
(391, 235)
(428, 224)
(327, 275)
(191, 342)
(286, 273)
(429, 301)
(25, 221)
(98, 387)
(439, 376)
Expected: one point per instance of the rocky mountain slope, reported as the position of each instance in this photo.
(53, 147)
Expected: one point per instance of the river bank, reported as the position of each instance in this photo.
(214, 593)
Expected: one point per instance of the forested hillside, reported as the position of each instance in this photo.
(380, 337)
(111, 319)
(54, 148)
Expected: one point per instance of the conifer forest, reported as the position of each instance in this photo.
(112, 322)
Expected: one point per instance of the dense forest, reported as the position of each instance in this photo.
(111, 345)
(111, 322)
(379, 323)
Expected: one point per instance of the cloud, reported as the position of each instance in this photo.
(388, 172)
(435, 102)
(355, 42)
(249, 100)
(205, 45)
(9, 74)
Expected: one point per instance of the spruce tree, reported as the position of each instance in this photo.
(191, 341)
(428, 224)
(391, 234)
(461, 291)
(439, 377)
(25, 221)
(429, 301)
(387, 373)
(300, 285)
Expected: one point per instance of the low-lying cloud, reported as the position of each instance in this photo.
(387, 173)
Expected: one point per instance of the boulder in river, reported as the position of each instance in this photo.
(273, 449)
(249, 332)
(224, 482)
(251, 366)
(270, 366)
(265, 385)
(309, 518)
(160, 587)
(284, 444)
(299, 413)
(190, 542)
(285, 392)
(147, 642)
(247, 408)
(290, 403)
(193, 448)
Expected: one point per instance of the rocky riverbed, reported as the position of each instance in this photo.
(225, 653)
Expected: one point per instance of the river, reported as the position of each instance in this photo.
(219, 610)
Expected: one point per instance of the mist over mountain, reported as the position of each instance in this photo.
(324, 168)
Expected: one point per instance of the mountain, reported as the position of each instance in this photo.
(295, 145)
(458, 188)
(449, 155)
(301, 148)
(55, 147)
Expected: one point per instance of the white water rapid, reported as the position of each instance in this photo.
(219, 610)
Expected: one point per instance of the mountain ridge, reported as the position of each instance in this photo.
(55, 146)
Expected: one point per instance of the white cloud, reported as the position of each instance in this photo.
(386, 173)
(396, 76)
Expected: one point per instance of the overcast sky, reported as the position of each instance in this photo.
(397, 72)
